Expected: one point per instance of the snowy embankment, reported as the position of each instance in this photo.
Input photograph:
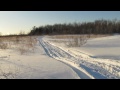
(105, 47)
(86, 64)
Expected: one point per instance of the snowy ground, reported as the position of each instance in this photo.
(33, 66)
(86, 62)
(106, 47)
(53, 60)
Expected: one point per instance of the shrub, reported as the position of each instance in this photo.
(3, 45)
(77, 41)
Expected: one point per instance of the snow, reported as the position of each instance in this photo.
(33, 66)
(106, 47)
(89, 64)
(98, 59)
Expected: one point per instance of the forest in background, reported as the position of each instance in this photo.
(96, 27)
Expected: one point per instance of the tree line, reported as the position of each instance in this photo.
(96, 27)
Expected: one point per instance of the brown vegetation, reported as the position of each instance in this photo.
(23, 44)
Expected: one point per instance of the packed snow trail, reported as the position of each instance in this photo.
(64, 57)
(83, 65)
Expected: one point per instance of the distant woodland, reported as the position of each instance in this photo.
(96, 27)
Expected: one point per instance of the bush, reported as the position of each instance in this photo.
(3, 45)
(27, 44)
(77, 41)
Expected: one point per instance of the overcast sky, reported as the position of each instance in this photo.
(15, 21)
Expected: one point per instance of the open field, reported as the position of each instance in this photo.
(51, 57)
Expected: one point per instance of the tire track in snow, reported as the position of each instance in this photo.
(97, 67)
(65, 58)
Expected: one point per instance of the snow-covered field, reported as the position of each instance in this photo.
(105, 47)
(98, 59)
(34, 65)
(85, 59)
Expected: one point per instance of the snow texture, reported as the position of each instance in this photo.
(98, 59)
